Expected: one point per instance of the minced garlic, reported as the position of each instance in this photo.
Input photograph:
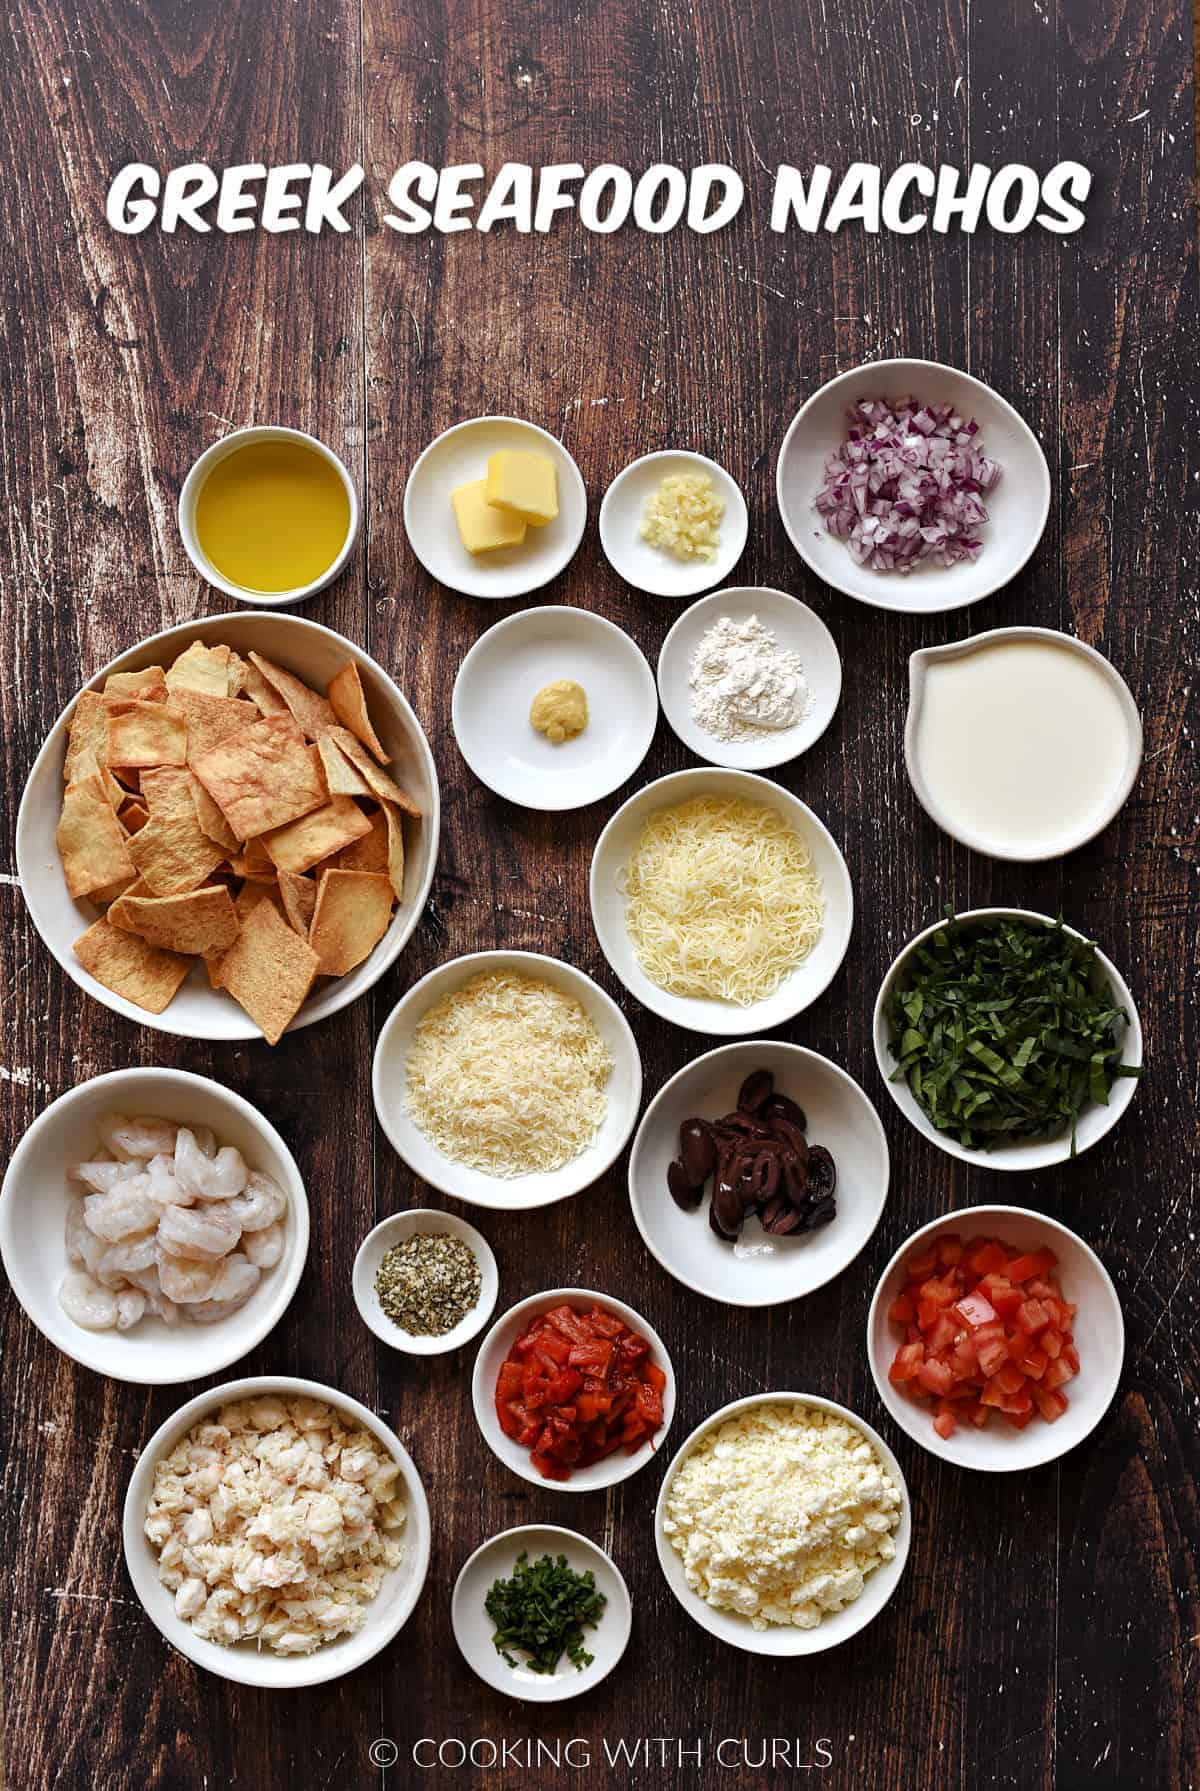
(684, 517)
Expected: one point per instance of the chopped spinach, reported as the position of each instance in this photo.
(542, 1610)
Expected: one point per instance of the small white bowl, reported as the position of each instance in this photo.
(1044, 741)
(503, 672)
(1017, 507)
(244, 1663)
(1094, 1121)
(495, 1347)
(797, 629)
(624, 1088)
(615, 848)
(760, 1270)
(460, 455)
(190, 493)
(314, 654)
(1099, 1336)
(383, 1238)
(835, 1626)
(495, 1560)
(33, 1210)
(648, 568)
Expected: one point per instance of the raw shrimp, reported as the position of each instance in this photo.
(129, 1257)
(131, 1303)
(205, 1231)
(163, 1185)
(185, 1282)
(236, 1280)
(210, 1312)
(209, 1178)
(87, 1304)
(140, 1138)
(264, 1248)
(100, 1177)
(123, 1212)
(263, 1202)
(74, 1231)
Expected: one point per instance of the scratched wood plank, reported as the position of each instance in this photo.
(1046, 1630)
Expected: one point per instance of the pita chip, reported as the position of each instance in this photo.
(341, 778)
(147, 686)
(311, 710)
(269, 969)
(92, 843)
(299, 896)
(212, 821)
(171, 852)
(263, 695)
(129, 967)
(261, 777)
(202, 921)
(89, 728)
(202, 668)
(210, 719)
(303, 843)
(369, 852)
(351, 916)
(145, 735)
(380, 784)
(349, 703)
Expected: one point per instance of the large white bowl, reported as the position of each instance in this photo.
(1017, 507)
(33, 1209)
(245, 1664)
(1094, 1121)
(495, 1347)
(615, 848)
(760, 1270)
(1099, 1336)
(496, 1559)
(624, 1088)
(835, 1626)
(313, 653)
(503, 672)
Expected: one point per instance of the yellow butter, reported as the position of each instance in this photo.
(483, 525)
(526, 483)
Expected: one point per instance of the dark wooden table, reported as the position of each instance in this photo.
(1047, 1630)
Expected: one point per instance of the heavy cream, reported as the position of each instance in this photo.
(1022, 746)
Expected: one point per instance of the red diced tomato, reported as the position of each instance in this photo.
(935, 1377)
(939, 1291)
(1058, 1373)
(1031, 1264)
(975, 1310)
(902, 1310)
(1051, 1341)
(1009, 1379)
(949, 1250)
(909, 1358)
(1050, 1404)
(1035, 1363)
(1007, 1300)
(945, 1423)
(986, 1259)
(920, 1266)
(993, 1356)
(942, 1335)
(1032, 1317)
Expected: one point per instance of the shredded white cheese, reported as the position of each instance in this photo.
(683, 517)
(507, 1075)
(721, 899)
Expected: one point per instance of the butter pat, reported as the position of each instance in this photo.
(483, 525)
(524, 483)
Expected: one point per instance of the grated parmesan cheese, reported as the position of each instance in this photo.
(507, 1075)
(684, 517)
(721, 899)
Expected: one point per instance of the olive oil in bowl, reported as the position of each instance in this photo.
(273, 514)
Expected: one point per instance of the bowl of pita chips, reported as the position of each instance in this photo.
(232, 830)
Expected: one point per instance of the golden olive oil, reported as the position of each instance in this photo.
(272, 516)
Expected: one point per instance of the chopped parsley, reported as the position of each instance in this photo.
(542, 1610)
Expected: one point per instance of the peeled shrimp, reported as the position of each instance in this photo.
(210, 1312)
(209, 1178)
(100, 1177)
(123, 1212)
(138, 1138)
(205, 1231)
(162, 1183)
(263, 1202)
(87, 1304)
(264, 1248)
(128, 1257)
(74, 1230)
(131, 1304)
(184, 1281)
(236, 1280)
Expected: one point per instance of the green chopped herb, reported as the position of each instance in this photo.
(542, 1610)
(428, 1284)
(1005, 1031)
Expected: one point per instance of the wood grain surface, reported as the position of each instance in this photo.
(1046, 1632)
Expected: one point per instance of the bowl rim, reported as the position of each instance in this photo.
(189, 493)
(719, 1023)
(468, 964)
(909, 1422)
(617, 1468)
(670, 646)
(688, 1069)
(918, 667)
(702, 1613)
(385, 953)
(311, 1669)
(887, 368)
(524, 617)
(454, 1225)
(569, 550)
(721, 566)
(577, 1538)
(1057, 1149)
(283, 1294)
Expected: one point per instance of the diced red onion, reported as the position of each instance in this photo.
(904, 487)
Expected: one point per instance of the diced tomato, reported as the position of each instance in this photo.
(1071, 1357)
(1034, 1364)
(945, 1424)
(1058, 1373)
(975, 1310)
(949, 1250)
(1007, 1301)
(1031, 1264)
(1032, 1317)
(1051, 1341)
(986, 1259)
(1050, 1404)
(909, 1358)
(1009, 1379)
(942, 1335)
(902, 1310)
(939, 1290)
(993, 1356)
(921, 1266)
(935, 1377)
(606, 1324)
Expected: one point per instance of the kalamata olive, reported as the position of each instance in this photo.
(774, 1210)
(795, 1179)
(755, 1090)
(683, 1191)
(697, 1151)
(819, 1212)
(788, 1220)
(768, 1172)
(780, 1106)
(725, 1211)
(793, 1137)
(822, 1170)
(744, 1125)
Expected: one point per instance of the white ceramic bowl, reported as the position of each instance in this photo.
(835, 1626)
(615, 848)
(190, 493)
(648, 568)
(624, 1088)
(760, 1270)
(33, 1210)
(460, 455)
(314, 654)
(496, 1559)
(797, 629)
(1094, 1122)
(1099, 1335)
(1046, 736)
(383, 1238)
(243, 1663)
(502, 674)
(494, 1349)
(1017, 507)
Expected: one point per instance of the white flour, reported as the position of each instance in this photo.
(743, 682)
